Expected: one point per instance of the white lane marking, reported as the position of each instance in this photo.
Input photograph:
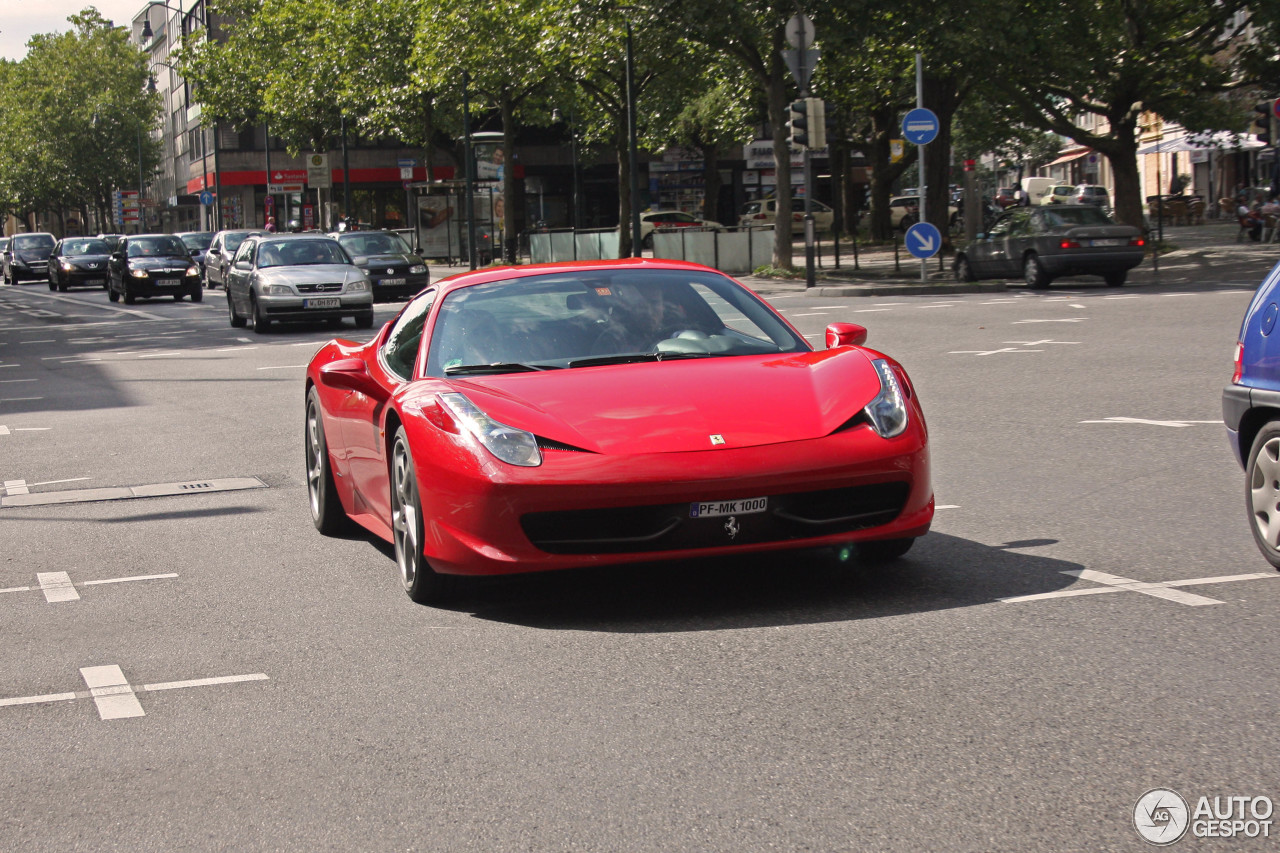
(15, 487)
(130, 578)
(817, 335)
(4, 430)
(205, 682)
(999, 302)
(57, 586)
(283, 367)
(32, 700)
(940, 305)
(32, 429)
(160, 354)
(947, 506)
(990, 352)
(111, 692)
(1054, 299)
(810, 314)
(51, 482)
(10, 365)
(1075, 305)
(1060, 320)
(235, 349)
(243, 340)
(870, 310)
(1038, 343)
(879, 304)
(1177, 294)
(815, 308)
(17, 589)
(1163, 589)
(10, 381)
(1122, 297)
(46, 341)
(1149, 422)
(18, 399)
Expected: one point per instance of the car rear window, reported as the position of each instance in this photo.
(1069, 216)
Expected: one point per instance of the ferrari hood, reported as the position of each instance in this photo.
(675, 406)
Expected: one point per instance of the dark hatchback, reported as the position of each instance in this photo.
(1040, 244)
(79, 262)
(393, 269)
(27, 256)
(149, 265)
(1251, 412)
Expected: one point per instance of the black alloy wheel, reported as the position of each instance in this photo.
(1115, 279)
(963, 270)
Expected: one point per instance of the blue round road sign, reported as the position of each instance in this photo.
(920, 126)
(923, 240)
(206, 198)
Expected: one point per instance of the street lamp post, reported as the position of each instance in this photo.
(632, 166)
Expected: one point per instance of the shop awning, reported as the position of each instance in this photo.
(1070, 156)
(1221, 141)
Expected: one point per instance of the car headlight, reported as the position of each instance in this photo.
(136, 273)
(193, 270)
(67, 266)
(357, 286)
(511, 445)
(418, 269)
(888, 411)
(276, 290)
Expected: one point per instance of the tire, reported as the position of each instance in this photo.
(260, 321)
(112, 295)
(327, 513)
(364, 321)
(906, 222)
(62, 287)
(177, 297)
(1033, 272)
(53, 287)
(963, 271)
(237, 322)
(647, 242)
(883, 550)
(1262, 492)
(197, 294)
(128, 297)
(1115, 279)
(423, 584)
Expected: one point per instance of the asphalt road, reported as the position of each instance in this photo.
(284, 694)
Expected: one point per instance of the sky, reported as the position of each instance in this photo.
(24, 18)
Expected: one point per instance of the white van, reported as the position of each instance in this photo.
(1038, 188)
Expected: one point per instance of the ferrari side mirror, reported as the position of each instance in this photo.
(846, 335)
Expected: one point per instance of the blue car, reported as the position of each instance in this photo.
(1251, 411)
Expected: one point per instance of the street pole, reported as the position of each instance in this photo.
(573, 149)
(924, 189)
(217, 183)
(810, 275)
(468, 171)
(346, 172)
(140, 213)
(632, 164)
(266, 145)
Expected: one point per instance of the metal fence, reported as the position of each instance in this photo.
(734, 250)
(566, 244)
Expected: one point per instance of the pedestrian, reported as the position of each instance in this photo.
(271, 225)
(1249, 218)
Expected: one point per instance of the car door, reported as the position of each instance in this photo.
(212, 262)
(1006, 252)
(987, 253)
(55, 265)
(236, 278)
(116, 264)
(361, 416)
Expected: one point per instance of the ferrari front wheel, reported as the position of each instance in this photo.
(326, 507)
(423, 584)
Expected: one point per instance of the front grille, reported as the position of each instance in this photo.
(328, 287)
(668, 527)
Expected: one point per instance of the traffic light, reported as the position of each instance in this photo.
(799, 123)
(1262, 122)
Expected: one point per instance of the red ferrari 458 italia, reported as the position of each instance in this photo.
(580, 414)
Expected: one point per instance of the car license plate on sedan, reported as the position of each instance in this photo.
(168, 282)
(323, 302)
(712, 509)
(392, 281)
(92, 281)
(1109, 242)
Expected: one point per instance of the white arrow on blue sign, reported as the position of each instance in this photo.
(206, 198)
(923, 240)
(920, 126)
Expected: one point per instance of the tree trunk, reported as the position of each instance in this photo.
(621, 150)
(884, 126)
(510, 236)
(776, 88)
(711, 183)
(428, 134)
(1122, 152)
(941, 95)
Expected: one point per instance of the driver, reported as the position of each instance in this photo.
(639, 318)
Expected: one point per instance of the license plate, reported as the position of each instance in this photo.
(168, 282)
(713, 509)
(95, 281)
(1109, 242)
(392, 281)
(324, 302)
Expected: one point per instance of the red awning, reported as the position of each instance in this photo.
(1071, 156)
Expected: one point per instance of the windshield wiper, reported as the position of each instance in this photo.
(497, 367)
(636, 358)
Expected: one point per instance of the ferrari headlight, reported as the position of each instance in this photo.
(888, 411)
(511, 445)
(193, 270)
(136, 273)
(357, 286)
(418, 269)
(276, 290)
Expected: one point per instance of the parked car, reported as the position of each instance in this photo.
(1042, 243)
(150, 265)
(1251, 412)
(765, 212)
(535, 418)
(904, 211)
(652, 220)
(79, 262)
(1037, 188)
(394, 271)
(222, 248)
(198, 242)
(4, 244)
(1006, 196)
(27, 256)
(276, 277)
(1060, 194)
(1092, 194)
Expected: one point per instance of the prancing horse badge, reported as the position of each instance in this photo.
(717, 439)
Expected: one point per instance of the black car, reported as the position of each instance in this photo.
(198, 243)
(1043, 243)
(79, 262)
(27, 256)
(147, 265)
(392, 268)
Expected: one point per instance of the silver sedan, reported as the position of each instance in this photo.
(282, 277)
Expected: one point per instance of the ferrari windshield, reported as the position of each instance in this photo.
(374, 243)
(593, 317)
